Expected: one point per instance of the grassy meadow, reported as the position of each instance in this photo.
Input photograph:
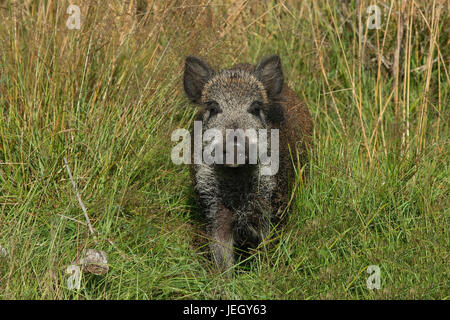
(107, 97)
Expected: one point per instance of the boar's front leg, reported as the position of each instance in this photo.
(221, 232)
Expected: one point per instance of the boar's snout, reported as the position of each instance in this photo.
(239, 149)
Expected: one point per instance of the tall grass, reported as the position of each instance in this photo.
(108, 96)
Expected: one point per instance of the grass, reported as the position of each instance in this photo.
(108, 96)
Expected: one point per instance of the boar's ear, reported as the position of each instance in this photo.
(269, 72)
(196, 74)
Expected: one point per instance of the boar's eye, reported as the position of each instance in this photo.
(256, 108)
(213, 108)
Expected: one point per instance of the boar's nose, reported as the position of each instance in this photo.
(236, 149)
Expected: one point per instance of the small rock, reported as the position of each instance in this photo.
(95, 262)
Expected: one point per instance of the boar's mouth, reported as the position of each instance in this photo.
(237, 171)
(233, 165)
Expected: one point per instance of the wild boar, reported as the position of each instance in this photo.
(240, 203)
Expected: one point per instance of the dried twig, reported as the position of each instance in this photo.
(69, 218)
(91, 230)
(423, 67)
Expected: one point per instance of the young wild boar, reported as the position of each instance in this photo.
(240, 203)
